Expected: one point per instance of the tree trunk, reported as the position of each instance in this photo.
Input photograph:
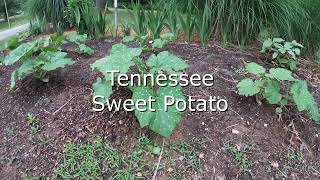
(7, 15)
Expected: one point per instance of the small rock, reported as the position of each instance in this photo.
(275, 164)
(234, 131)
(170, 169)
(222, 177)
(265, 125)
(139, 174)
(201, 156)
(181, 158)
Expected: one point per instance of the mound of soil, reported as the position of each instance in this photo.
(64, 109)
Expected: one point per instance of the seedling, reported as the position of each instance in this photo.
(270, 86)
(33, 122)
(285, 54)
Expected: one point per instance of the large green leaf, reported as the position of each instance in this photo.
(76, 38)
(120, 60)
(166, 62)
(255, 69)
(281, 74)
(86, 49)
(161, 121)
(272, 92)
(102, 88)
(143, 93)
(55, 60)
(266, 45)
(158, 43)
(247, 87)
(22, 52)
(26, 68)
(128, 39)
(301, 96)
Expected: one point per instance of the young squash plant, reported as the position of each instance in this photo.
(122, 59)
(285, 54)
(162, 41)
(278, 87)
(80, 40)
(38, 58)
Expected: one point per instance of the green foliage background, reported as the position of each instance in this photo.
(14, 6)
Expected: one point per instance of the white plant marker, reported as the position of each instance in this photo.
(116, 17)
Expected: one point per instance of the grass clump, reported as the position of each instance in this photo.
(43, 12)
(87, 162)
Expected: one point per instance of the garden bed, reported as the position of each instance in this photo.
(64, 109)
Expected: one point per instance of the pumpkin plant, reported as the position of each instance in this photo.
(38, 58)
(278, 87)
(122, 59)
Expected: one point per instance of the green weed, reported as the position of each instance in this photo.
(33, 122)
(189, 155)
(88, 162)
(292, 161)
(240, 158)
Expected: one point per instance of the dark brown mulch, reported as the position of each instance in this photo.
(69, 95)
